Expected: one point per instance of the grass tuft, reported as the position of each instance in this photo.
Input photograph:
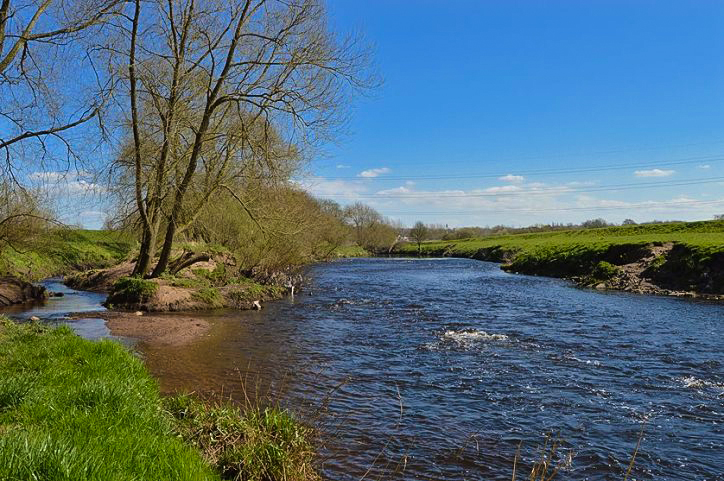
(256, 444)
(209, 296)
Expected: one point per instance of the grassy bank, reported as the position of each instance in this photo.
(696, 261)
(72, 409)
(65, 250)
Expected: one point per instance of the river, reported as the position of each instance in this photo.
(438, 368)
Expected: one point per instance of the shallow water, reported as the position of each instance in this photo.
(56, 309)
(437, 369)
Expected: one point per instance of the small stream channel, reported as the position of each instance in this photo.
(56, 310)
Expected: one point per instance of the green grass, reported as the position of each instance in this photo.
(350, 251)
(210, 296)
(77, 410)
(65, 250)
(705, 235)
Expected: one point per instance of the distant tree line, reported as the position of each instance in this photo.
(421, 232)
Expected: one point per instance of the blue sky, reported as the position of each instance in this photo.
(621, 103)
(520, 112)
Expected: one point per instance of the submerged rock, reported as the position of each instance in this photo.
(17, 291)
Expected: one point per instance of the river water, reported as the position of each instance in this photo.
(439, 368)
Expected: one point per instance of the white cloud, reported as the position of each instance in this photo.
(65, 183)
(336, 189)
(654, 173)
(505, 188)
(374, 172)
(343, 166)
(515, 179)
(704, 167)
(397, 190)
(53, 177)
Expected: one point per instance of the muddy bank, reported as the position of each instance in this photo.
(157, 329)
(667, 269)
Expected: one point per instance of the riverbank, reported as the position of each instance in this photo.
(202, 286)
(61, 251)
(676, 259)
(72, 409)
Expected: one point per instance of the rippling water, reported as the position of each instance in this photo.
(441, 367)
(437, 369)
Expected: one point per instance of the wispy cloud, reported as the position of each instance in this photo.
(704, 167)
(514, 179)
(52, 177)
(67, 183)
(338, 189)
(343, 166)
(654, 173)
(374, 172)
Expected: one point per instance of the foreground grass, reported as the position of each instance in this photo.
(64, 250)
(72, 409)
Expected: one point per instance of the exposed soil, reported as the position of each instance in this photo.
(170, 297)
(159, 329)
(632, 277)
(17, 291)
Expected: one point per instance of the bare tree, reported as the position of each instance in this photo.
(361, 217)
(41, 100)
(419, 233)
(371, 230)
(215, 84)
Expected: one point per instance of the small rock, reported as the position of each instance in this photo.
(600, 286)
(35, 319)
(139, 313)
(257, 305)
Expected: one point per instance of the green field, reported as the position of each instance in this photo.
(65, 250)
(697, 259)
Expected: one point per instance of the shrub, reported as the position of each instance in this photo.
(129, 290)
(605, 271)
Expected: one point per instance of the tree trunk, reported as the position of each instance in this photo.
(145, 256)
(166, 250)
(189, 260)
